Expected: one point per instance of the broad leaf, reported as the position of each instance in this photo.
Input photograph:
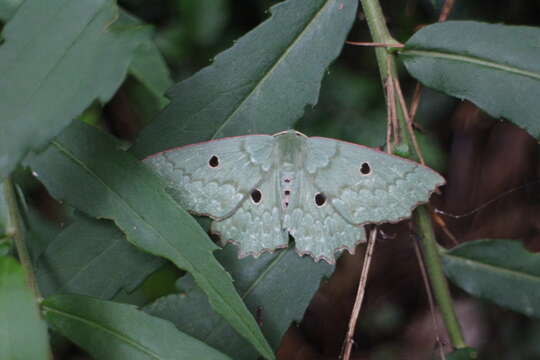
(113, 331)
(86, 168)
(8, 8)
(92, 257)
(501, 271)
(57, 58)
(23, 334)
(260, 85)
(492, 65)
(277, 287)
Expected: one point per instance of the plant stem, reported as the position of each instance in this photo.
(18, 235)
(437, 278)
(388, 71)
(348, 342)
(386, 61)
(379, 33)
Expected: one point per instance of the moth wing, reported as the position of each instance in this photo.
(214, 177)
(318, 229)
(366, 185)
(257, 225)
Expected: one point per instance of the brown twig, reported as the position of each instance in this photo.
(390, 107)
(348, 343)
(445, 11)
(374, 44)
(408, 121)
(415, 101)
(434, 318)
(393, 123)
(442, 224)
(443, 16)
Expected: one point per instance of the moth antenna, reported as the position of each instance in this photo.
(348, 342)
(489, 202)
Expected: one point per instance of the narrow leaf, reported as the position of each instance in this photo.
(148, 65)
(501, 271)
(113, 331)
(86, 168)
(260, 85)
(23, 334)
(57, 58)
(85, 258)
(277, 287)
(492, 65)
(463, 354)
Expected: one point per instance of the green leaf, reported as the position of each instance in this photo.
(40, 232)
(501, 271)
(23, 332)
(277, 287)
(56, 60)
(260, 85)
(492, 65)
(148, 65)
(463, 354)
(86, 168)
(113, 331)
(8, 9)
(93, 258)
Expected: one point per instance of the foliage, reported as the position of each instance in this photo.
(80, 78)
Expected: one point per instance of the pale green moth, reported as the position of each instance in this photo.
(261, 188)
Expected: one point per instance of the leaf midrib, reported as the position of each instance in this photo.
(472, 60)
(494, 268)
(80, 271)
(271, 70)
(193, 270)
(105, 329)
(250, 289)
(55, 66)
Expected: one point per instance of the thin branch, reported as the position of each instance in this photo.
(375, 44)
(393, 124)
(437, 279)
(408, 121)
(434, 318)
(348, 343)
(443, 16)
(442, 224)
(380, 33)
(390, 107)
(18, 235)
(445, 11)
(415, 101)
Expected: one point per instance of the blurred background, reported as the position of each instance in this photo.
(481, 158)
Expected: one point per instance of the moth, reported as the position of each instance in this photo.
(259, 189)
